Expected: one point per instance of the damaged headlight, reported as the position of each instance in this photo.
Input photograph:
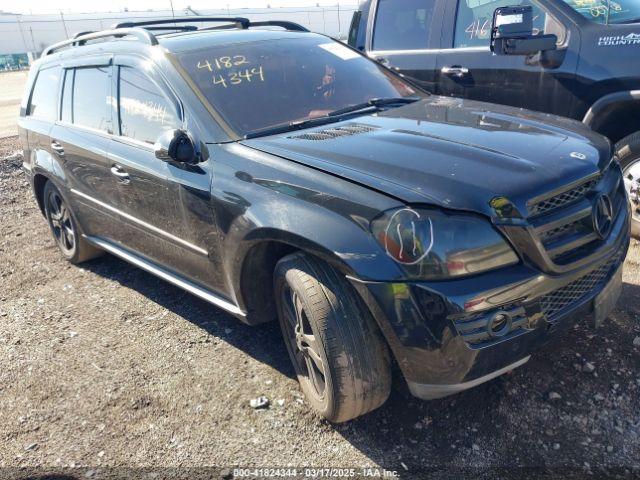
(432, 244)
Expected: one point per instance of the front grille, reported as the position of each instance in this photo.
(335, 132)
(563, 222)
(563, 230)
(565, 198)
(554, 302)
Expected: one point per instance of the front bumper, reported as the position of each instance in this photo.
(439, 331)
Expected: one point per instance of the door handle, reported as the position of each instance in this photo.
(120, 173)
(455, 71)
(56, 147)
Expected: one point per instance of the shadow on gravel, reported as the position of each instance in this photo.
(508, 421)
(262, 342)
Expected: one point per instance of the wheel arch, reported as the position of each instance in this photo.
(39, 181)
(615, 115)
(261, 253)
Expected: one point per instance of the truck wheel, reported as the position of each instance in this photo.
(340, 358)
(64, 228)
(628, 151)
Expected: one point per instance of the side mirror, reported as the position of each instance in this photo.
(512, 33)
(176, 146)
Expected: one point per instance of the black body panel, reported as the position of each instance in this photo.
(216, 227)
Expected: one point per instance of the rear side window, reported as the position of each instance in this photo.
(67, 97)
(44, 97)
(403, 24)
(91, 98)
(145, 112)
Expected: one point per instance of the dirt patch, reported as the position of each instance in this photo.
(104, 365)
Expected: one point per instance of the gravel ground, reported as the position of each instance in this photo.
(105, 366)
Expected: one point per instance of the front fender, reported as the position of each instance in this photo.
(261, 197)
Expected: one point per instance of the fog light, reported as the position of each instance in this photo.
(500, 324)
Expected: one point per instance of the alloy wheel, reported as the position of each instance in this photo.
(61, 223)
(631, 175)
(303, 342)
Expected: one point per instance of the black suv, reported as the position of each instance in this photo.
(281, 174)
(575, 58)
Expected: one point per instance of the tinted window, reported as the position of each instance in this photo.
(91, 98)
(44, 97)
(67, 96)
(144, 110)
(474, 19)
(402, 24)
(618, 11)
(254, 85)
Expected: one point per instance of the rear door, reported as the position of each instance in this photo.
(80, 139)
(467, 68)
(405, 35)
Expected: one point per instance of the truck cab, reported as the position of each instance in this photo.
(591, 74)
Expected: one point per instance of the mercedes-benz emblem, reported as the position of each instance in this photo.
(602, 215)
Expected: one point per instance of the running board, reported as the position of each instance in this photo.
(165, 275)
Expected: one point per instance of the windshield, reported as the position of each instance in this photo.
(256, 85)
(607, 11)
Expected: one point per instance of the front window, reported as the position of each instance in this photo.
(256, 85)
(144, 110)
(474, 19)
(607, 11)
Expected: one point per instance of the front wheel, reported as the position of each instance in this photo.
(337, 350)
(628, 151)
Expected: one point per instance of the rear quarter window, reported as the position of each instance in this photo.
(44, 96)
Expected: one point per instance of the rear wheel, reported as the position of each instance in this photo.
(628, 151)
(340, 358)
(64, 228)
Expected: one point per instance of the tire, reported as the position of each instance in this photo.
(628, 151)
(336, 328)
(64, 227)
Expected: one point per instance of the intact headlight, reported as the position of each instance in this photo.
(432, 244)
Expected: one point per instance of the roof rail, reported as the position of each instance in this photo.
(295, 27)
(240, 22)
(142, 30)
(86, 32)
(140, 33)
(232, 22)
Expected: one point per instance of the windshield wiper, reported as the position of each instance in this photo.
(373, 103)
(290, 126)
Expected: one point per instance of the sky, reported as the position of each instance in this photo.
(82, 6)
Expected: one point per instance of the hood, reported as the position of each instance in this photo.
(453, 153)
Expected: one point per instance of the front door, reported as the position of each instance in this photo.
(467, 68)
(406, 35)
(165, 205)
